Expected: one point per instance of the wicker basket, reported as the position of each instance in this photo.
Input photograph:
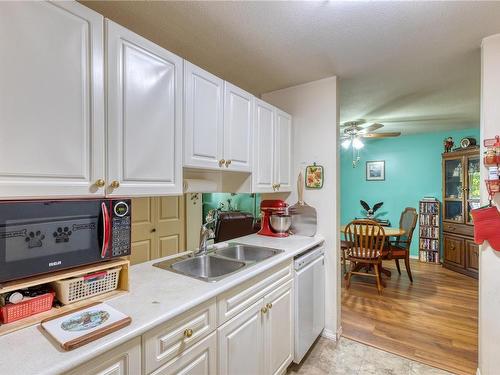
(12, 312)
(78, 288)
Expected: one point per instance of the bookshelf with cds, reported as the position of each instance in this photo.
(430, 231)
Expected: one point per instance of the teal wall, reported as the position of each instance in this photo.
(239, 202)
(412, 171)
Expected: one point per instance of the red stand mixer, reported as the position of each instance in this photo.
(275, 220)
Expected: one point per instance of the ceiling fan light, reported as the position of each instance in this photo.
(357, 144)
(346, 143)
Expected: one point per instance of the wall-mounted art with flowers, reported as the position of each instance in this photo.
(314, 176)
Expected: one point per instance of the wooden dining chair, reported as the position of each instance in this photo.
(400, 247)
(366, 240)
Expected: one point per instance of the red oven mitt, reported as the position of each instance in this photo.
(487, 226)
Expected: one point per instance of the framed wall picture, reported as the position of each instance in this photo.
(375, 170)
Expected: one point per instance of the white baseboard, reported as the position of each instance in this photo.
(330, 335)
(478, 372)
(414, 257)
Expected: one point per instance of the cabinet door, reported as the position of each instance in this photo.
(241, 345)
(283, 151)
(238, 124)
(278, 336)
(144, 115)
(123, 360)
(203, 122)
(453, 186)
(51, 100)
(454, 250)
(471, 256)
(263, 161)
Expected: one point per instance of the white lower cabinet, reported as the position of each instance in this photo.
(201, 359)
(260, 339)
(240, 343)
(122, 360)
(278, 335)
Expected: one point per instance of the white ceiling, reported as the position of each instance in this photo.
(413, 66)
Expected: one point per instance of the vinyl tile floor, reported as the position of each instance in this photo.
(348, 357)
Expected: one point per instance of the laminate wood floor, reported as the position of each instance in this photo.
(433, 321)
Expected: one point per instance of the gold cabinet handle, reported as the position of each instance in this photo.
(227, 163)
(188, 332)
(278, 186)
(269, 306)
(221, 162)
(263, 310)
(115, 184)
(275, 187)
(100, 183)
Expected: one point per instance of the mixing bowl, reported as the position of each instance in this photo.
(281, 223)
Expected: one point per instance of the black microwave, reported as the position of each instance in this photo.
(37, 237)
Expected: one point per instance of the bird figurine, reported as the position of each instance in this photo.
(370, 212)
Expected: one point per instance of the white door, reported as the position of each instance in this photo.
(144, 116)
(201, 359)
(241, 345)
(283, 151)
(263, 160)
(278, 329)
(51, 100)
(203, 118)
(238, 124)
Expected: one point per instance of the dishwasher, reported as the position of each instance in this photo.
(309, 299)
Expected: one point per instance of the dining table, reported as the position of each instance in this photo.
(389, 232)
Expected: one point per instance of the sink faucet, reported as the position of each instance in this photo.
(206, 234)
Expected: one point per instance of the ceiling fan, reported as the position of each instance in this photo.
(352, 134)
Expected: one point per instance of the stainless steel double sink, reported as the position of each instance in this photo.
(218, 263)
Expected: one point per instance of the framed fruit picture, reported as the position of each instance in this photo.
(314, 176)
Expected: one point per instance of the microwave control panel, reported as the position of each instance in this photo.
(121, 228)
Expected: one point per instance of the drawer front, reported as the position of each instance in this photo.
(234, 301)
(201, 359)
(170, 339)
(122, 360)
(465, 230)
(454, 250)
(471, 256)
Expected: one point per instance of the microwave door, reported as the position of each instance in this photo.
(42, 241)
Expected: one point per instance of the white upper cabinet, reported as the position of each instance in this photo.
(51, 100)
(218, 122)
(238, 125)
(263, 141)
(283, 151)
(203, 122)
(272, 149)
(144, 116)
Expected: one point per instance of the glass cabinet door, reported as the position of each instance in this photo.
(473, 185)
(454, 190)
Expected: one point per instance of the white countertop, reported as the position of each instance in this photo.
(155, 296)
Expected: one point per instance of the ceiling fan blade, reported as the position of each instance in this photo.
(353, 124)
(381, 135)
(371, 128)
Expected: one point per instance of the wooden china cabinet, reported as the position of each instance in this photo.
(461, 185)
